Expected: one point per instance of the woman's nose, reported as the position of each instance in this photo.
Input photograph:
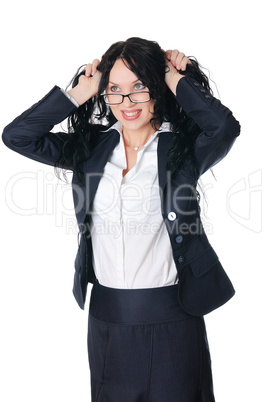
(127, 102)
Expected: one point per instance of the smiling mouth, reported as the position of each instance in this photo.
(131, 115)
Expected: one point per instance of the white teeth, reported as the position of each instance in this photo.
(131, 114)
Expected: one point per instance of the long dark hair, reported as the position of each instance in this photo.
(147, 61)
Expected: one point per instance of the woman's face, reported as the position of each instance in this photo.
(132, 116)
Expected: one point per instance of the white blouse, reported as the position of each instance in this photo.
(131, 246)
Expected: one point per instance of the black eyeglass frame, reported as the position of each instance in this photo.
(127, 96)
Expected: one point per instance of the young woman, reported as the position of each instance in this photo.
(143, 127)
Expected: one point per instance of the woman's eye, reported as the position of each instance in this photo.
(139, 86)
(115, 88)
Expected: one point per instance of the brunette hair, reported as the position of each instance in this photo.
(147, 61)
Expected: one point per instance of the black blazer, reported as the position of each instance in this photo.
(203, 283)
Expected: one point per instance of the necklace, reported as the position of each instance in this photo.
(134, 147)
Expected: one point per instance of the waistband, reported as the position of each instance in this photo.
(135, 306)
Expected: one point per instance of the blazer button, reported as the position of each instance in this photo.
(181, 259)
(179, 239)
(171, 216)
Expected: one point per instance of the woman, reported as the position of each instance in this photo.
(143, 127)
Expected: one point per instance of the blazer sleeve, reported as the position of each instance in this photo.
(29, 134)
(219, 128)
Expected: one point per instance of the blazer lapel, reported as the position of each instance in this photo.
(164, 145)
(94, 166)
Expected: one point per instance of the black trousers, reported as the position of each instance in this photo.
(144, 348)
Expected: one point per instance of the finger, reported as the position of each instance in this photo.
(174, 57)
(170, 67)
(97, 77)
(171, 55)
(88, 70)
(168, 54)
(95, 63)
(184, 63)
(179, 61)
(168, 64)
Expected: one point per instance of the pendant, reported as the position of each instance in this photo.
(135, 148)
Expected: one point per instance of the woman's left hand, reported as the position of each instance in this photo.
(175, 61)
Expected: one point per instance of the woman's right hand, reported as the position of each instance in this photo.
(88, 83)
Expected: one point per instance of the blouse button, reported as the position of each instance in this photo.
(171, 216)
(179, 239)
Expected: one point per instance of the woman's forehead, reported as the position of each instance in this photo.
(121, 74)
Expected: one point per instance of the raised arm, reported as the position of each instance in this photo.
(219, 128)
(30, 133)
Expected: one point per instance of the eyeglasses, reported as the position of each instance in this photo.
(135, 97)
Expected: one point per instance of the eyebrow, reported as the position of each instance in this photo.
(110, 82)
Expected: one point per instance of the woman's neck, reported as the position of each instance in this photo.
(137, 138)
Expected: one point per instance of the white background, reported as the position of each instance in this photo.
(43, 354)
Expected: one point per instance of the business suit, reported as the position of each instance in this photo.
(203, 284)
(145, 344)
